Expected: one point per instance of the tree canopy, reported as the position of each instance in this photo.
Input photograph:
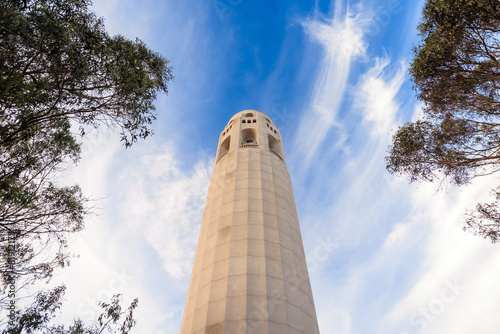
(58, 62)
(61, 74)
(456, 72)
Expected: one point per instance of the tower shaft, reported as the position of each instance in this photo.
(250, 273)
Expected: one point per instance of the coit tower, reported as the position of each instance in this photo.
(250, 273)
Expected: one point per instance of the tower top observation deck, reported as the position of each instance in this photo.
(250, 128)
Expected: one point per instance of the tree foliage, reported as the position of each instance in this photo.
(57, 62)
(456, 71)
(37, 318)
(456, 68)
(61, 74)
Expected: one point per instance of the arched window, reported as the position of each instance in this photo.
(274, 145)
(248, 137)
(254, 121)
(249, 115)
(224, 147)
(243, 121)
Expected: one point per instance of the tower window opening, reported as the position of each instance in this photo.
(254, 121)
(249, 115)
(224, 147)
(224, 133)
(274, 131)
(267, 124)
(248, 136)
(274, 145)
(243, 121)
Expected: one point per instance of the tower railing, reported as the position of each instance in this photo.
(249, 145)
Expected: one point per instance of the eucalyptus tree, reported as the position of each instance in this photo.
(456, 72)
(61, 74)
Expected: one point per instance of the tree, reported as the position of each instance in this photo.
(61, 74)
(38, 317)
(36, 214)
(58, 63)
(456, 71)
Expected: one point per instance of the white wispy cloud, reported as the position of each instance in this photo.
(363, 206)
(411, 246)
(342, 40)
(165, 203)
(457, 269)
(359, 188)
(376, 96)
(403, 231)
(144, 233)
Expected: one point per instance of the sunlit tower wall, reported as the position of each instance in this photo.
(250, 273)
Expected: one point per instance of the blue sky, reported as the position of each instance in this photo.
(384, 256)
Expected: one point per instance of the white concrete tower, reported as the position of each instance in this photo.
(250, 273)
